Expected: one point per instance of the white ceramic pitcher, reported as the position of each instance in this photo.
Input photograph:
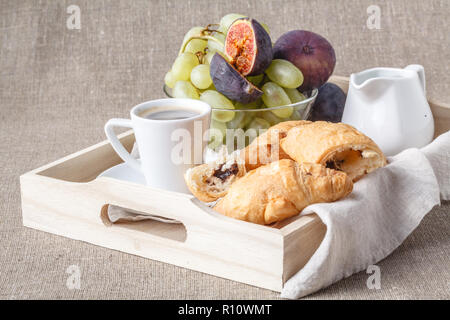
(389, 105)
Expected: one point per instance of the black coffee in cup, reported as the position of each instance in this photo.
(171, 115)
(168, 113)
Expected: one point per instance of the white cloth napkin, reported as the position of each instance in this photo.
(383, 209)
(118, 214)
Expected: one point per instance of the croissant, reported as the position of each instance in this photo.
(282, 189)
(334, 145)
(266, 148)
(210, 181)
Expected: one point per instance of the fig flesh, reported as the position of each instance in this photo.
(248, 47)
(310, 52)
(228, 81)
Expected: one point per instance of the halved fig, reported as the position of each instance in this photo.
(248, 47)
(230, 82)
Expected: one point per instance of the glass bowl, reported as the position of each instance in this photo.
(237, 128)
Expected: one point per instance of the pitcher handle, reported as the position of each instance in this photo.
(420, 72)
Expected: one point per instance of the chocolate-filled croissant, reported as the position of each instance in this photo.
(282, 189)
(266, 148)
(334, 145)
(210, 181)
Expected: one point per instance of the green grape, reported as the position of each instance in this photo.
(252, 105)
(213, 46)
(223, 116)
(259, 124)
(169, 80)
(221, 126)
(209, 56)
(183, 65)
(266, 27)
(284, 73)
(196, 45)
(270, 117)
(193, 32)
(296, 115)
(236, 123)
(222, 29)
(294, 95)
(211, 87)
(284, 112)
(274, 95)
(216, 134)
(218, 101)
(228, 19)
(248, 118)
(256, 80)
(184, 89)
(200, 76)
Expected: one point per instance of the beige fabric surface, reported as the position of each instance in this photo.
(58, 87)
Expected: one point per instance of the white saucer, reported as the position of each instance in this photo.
(124, 172)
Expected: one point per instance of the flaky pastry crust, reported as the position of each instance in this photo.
(335, 145)
(282, 189)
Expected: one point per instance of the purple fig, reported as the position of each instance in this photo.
(248, 47)
(309, 52)
(228, 81)
(329, 104)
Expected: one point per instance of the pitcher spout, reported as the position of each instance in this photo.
(370, 82)
(374, 82)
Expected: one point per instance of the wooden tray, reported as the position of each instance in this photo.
(66, 198)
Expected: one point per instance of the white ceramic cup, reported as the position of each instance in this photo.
(167, 148)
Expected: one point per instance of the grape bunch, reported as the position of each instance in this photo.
(190, 78)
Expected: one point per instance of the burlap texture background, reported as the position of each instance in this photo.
(58, 87)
